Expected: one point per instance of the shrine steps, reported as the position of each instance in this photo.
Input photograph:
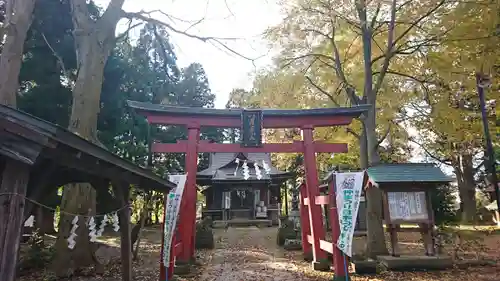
(242, 223)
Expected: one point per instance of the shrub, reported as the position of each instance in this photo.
(204, 235)
(286, 231)
(443, 204)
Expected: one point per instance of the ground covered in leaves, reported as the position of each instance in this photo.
(251, 254)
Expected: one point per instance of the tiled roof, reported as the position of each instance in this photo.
(222, 163)
(407, 172)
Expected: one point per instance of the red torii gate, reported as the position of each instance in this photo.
(195, 118)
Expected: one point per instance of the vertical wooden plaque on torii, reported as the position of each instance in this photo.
(251, 128)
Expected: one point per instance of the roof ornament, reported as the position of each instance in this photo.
(266, 167)
(246, 170)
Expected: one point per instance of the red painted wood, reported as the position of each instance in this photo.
(235, 122)
(205, 146)
(338, 256)
(312, 187)
(178, 248)
(305, 227)
(189, 209)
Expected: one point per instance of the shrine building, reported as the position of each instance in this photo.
(242, 188)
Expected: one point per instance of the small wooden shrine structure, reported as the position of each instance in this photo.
(230, 197)
(37, 157)
(406, 191)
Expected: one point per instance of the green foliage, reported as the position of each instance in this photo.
(38, 254)
(444, 205)
(145, 70)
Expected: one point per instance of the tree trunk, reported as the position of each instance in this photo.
(80, 198)
(77, 198)
(45, 221)
(18, 18)
(143, 215)
(467, 188)
(375, 244)
(363, 148)
(375, 230)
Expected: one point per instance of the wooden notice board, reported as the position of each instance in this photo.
(408, 206)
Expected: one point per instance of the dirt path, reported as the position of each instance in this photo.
(251, 254)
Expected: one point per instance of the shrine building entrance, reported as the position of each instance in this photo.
(251, 122)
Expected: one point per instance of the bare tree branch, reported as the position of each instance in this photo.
(163, 52)
(215, 41)
(385, 135)
(289, 61)
(351, 131)
(444, 161)
(125, 34)
(390, 46)
(420, 19)
(59, 58)
(350, 90)
(322, 91)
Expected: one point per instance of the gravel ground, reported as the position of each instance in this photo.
(250, 254)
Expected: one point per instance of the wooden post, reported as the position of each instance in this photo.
(162, 266)
(339, 259)
(14, 181)
(123, 194)
(312, 187)
(188, 204)
(305, 227)
(286, 199)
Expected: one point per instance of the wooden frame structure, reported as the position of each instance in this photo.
(37, 157)
(340, 261)
(406, 190)
(195, 118)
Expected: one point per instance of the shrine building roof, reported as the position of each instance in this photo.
(66, 157)
(222, 166)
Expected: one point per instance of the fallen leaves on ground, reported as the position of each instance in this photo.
(251, 254)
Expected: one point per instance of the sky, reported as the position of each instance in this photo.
(242, 19)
